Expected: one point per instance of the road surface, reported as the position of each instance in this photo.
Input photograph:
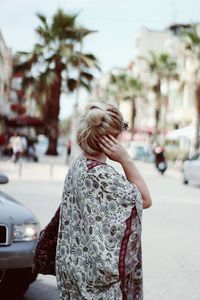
(171, 230)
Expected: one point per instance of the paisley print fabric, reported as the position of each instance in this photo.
(98, 254)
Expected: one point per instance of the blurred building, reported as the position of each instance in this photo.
(103, 91)
(150, 40)
(178, 96)
(5, 79)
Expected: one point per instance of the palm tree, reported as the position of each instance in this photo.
(56, 65)
(123, 86)
(190, 36)
(163, 66)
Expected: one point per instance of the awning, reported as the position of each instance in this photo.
(185, 132)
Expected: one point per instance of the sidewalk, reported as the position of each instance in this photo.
(55, 168)
(171, 246)
(48, 167)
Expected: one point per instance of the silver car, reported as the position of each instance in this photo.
(191, 169)
(19, 230)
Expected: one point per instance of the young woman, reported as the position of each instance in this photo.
(99, 242)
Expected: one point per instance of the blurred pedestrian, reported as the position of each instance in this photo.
(160, 160)
(24, 142)
(99, 239)
(31, 151)
(17, 145)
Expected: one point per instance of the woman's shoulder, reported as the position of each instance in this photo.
(93, 167)
(101, 168)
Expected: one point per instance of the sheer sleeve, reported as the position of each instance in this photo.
(115, 187)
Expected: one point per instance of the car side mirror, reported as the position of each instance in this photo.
(3, 179)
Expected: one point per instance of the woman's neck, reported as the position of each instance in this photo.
(99, 157)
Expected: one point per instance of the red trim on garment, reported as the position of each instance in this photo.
(123, 251)
(93, 163)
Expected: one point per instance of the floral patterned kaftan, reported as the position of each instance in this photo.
(98, 253)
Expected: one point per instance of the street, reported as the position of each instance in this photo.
(171, 240)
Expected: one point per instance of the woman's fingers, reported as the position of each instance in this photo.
(104, 148)
(107, 140)
(106, 143)
(115, 141)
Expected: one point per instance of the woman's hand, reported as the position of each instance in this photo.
(113, 149)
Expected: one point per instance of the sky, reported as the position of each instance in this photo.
(117, 24)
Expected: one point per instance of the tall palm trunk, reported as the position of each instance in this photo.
(157, 108)
(133, 115)
(51, 119)
(165, 101)
(197, 134)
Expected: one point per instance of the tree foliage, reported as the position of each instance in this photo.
(190, 36)
(56, 64)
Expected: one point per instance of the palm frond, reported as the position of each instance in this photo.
(26, 65)
(162, 64)
(190, 36)
(44, 34)
(63, 25)
(66, 51)
(72, 84)
(43, 20)
(86, 59)
(38, 49)
(55, 53)
(87, 75)
(85, 85)
(82, 32)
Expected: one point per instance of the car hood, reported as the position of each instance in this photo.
(13, 212)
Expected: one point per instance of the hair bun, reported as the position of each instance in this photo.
(93, 106)
(95, 115)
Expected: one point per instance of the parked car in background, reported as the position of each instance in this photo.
(19, 230)
(191, 169)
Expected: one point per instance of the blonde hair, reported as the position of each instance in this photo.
(98, 120)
